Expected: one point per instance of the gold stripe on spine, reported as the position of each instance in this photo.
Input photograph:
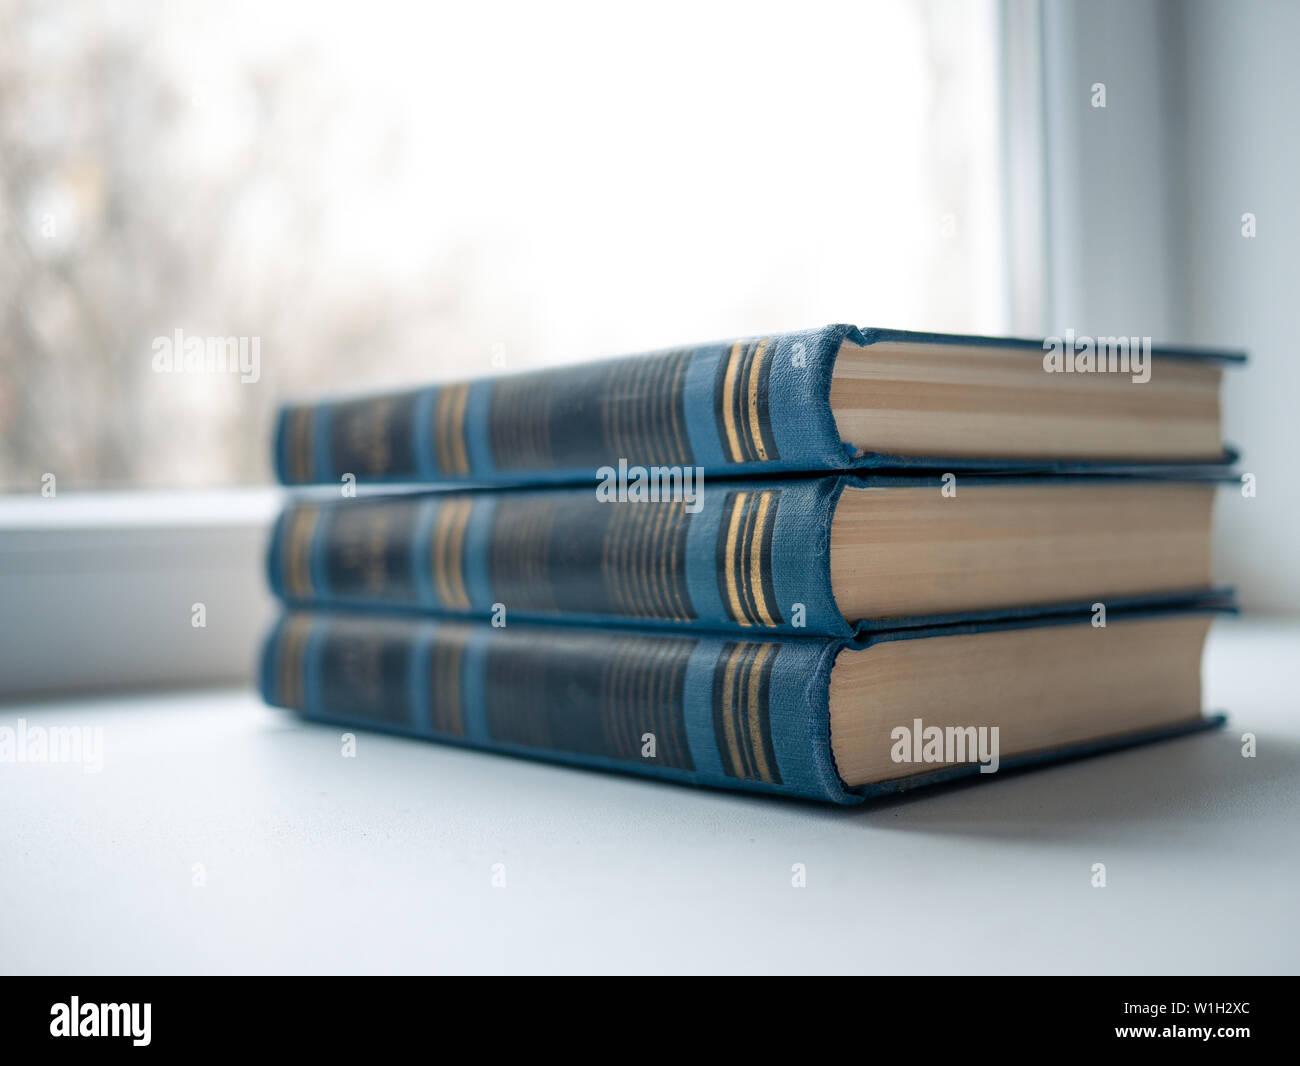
(458, 429)
(740, 714)
(298, 564)
(737, 454)
(756, 559)
(290, 682)
(446, 560)
(462, 452)
(728, 716)
(453, 459)
(746, 541)
(438, 555)
(456, 573)
(741, 703)
(755, 427)
(738, 611)
(753, 710)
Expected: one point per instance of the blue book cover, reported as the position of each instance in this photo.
(755, 406)
(747, 556)
(720, 710)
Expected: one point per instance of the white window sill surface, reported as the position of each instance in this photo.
(133, 510)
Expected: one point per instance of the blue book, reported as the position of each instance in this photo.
(830, 556)
(832, 719)
(833, 399)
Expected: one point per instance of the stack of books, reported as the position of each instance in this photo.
(825, 564)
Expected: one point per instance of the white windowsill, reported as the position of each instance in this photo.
(211, 507)
(99, 590)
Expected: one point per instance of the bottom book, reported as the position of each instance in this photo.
(810, 717)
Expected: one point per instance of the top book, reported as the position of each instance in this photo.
(836, 398)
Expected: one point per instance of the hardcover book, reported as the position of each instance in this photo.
(833, 399)
(828, 719)
(823, 556)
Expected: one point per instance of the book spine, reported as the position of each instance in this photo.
(703, 710)
(757, 406)
(750, 557)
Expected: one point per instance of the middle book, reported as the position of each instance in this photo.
(826, 556)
